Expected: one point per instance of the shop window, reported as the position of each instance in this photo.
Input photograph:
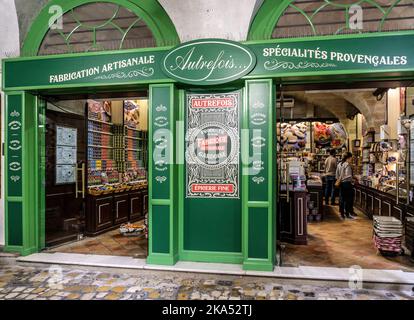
(98, 26)
(304, 18)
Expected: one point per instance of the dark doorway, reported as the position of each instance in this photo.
(65, 156)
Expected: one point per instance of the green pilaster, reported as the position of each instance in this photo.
(21, 173)
(163, 204)
(258, 177)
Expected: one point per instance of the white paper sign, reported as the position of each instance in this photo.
(65, 174)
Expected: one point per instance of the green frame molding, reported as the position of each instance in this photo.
(29, 198)
(150, 11)
(266, 18)
(250, 263)
(171, 257)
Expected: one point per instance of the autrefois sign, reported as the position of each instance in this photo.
(213, 145)
(214, 61)
(209, 62)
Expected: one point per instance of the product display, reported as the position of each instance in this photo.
(388, 232)
(329, 135)
(116, 153)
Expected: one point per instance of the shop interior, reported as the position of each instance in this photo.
(96, 166)
(375, 124)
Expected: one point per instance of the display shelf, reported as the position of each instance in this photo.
(95, 146)
(100, 121)
(101, 132)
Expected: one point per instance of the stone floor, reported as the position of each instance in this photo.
(110, 243)
(337, 243)
(41, 282)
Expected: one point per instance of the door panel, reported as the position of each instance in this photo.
(64, 216)
(212, 213)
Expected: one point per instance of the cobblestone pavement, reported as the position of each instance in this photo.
(43, 282)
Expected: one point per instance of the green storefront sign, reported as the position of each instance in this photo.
(215, 61)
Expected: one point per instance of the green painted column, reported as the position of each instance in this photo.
(258, 151)
(163, 201)
(21, 154)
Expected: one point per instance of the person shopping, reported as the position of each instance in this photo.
(330, 176)
(345, 182)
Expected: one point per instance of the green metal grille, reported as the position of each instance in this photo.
(328, 17)
(97, 26)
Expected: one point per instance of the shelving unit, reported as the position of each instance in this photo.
(368, 167)
(102, 168)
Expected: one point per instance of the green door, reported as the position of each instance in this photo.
(212, 204)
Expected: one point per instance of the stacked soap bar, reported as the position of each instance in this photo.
(388, 232)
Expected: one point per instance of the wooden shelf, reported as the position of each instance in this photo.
(101, 132)
(103, 147)
(100, 121)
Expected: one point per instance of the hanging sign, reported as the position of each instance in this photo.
(213, 147)
(208, 62)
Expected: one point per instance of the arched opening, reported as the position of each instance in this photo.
(88, 25)
(304, 18)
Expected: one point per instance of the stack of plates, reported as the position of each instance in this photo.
(388, 232)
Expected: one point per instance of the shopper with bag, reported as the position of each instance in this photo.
(345, 178)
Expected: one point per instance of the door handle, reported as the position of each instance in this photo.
(82, 171)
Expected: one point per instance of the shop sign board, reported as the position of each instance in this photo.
(208, 62)
(215, 61)
(346, 55)
(213, 145)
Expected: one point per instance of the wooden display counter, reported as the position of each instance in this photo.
(292, 222)
(109, 211)
(373, 202)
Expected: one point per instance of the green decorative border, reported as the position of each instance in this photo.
(248, 262)
(30, 178)
(149, 10)
(155, 257)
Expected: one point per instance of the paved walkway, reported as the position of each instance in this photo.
(43, 282)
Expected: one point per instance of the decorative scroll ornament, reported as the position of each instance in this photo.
(258, 180)
(15, 125)
(161, 108)
(258, 105)
(276, 64)
(161, 121)
(15, 114)
(258, 142)
(144, 72)
(14, 178)
(161, 179)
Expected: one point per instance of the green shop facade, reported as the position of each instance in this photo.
(211, 87)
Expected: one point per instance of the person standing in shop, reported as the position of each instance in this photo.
(345, 182)
(331, 164)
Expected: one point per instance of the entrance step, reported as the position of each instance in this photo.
(308, 273)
